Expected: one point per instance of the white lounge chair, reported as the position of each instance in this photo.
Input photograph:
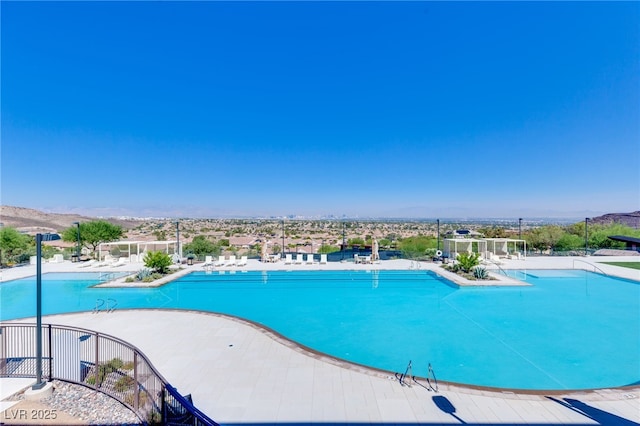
(231, 261)
(220, 261)
(299, 259)
(87, 263)
(242, 261)
(287, 259)
(121, 261)
(208, 261)
(323, 259)
(310, 259)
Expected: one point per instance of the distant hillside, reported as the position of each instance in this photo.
(31, 220)
(632, 219)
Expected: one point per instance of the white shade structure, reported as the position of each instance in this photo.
(506, 246)
(454, 246)
(137, 248)
(487, 247)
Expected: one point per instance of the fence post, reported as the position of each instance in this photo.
(97, 365)
(50, 342)
(163, 401)
(136, 395)
(3, 357)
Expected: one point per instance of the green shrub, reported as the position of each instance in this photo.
(124, 383)
(454, 267)
(103, 371)
(480, 273)
(115, 364)
(154, 418)
(158, 261)
(416, 247)
(142, 274)
(468, 261)
(130, 397)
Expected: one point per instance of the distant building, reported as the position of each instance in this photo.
(50, 237)
(631, 242)
(463, 233)
(242, 242)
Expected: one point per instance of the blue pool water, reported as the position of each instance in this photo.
(569, 329)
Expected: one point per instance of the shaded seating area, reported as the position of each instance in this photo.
(134, 251)
(454, 246)
(506, 247)
(492, 249)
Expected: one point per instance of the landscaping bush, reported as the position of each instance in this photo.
(480, 273)
(468, 261)
(158, 261)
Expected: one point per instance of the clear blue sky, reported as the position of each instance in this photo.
(376, 109)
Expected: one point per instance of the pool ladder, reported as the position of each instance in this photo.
(401, 377)
(431, 378)
(109, 305)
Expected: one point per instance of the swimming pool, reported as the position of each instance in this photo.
(570, 329)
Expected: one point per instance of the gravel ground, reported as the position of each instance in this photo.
(86, 405)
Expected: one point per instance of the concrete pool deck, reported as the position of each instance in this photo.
(240, 373)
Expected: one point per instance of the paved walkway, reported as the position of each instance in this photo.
(239, 373)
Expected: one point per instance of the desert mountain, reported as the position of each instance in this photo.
(31, 220)
(632, 219)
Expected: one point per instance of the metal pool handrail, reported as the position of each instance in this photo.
(588, 263)
(101, 362)
(496, 264)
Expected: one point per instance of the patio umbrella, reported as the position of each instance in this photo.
(374, 250)
(265, 251)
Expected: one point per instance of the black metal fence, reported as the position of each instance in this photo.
(101, 362)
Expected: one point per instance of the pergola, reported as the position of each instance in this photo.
(137, 248)
(453, 246)
(506, 246)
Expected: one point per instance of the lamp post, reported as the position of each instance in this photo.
(178, 241)
(78, 248)
(586, 236)
(438, 242)
(520, 228)
(344, 241)
(282, 256)
(39, 383)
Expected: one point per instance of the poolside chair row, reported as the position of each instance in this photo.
(299, 260)
(272, 258)
(361, 259)
(108, 261)
(222, 261)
